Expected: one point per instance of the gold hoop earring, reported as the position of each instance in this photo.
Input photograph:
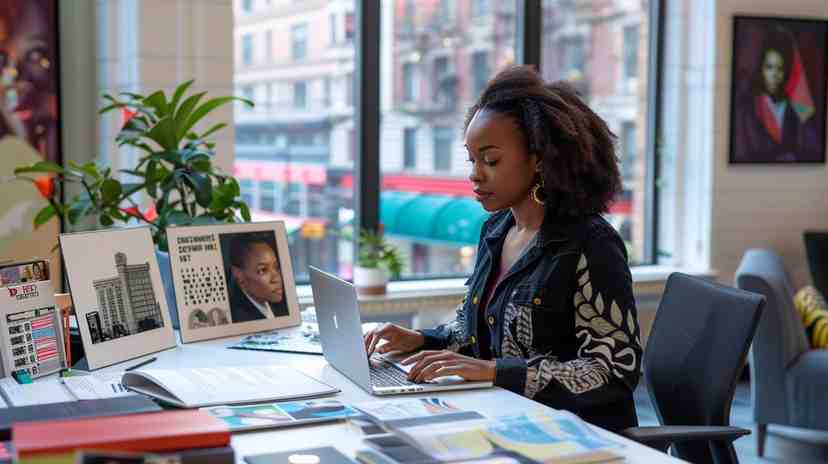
(536, 192)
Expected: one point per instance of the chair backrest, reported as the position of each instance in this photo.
(780, 337)
(696, 351)
(816, 248)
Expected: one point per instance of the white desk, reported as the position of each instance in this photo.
(212, 353)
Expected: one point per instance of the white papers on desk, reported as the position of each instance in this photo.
(97, 386)
(199, 387)
(41, 392)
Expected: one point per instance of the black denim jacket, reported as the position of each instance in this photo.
(562, 322)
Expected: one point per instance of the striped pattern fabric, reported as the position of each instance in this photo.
(813, 310)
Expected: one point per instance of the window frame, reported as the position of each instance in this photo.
(528, 48)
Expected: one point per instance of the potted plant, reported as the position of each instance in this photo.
(376, 261)
(175, 174)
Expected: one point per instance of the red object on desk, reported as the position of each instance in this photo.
(152, 432)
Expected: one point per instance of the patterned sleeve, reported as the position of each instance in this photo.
(449, 336)
(608, 359)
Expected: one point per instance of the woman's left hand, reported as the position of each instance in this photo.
(431, 364)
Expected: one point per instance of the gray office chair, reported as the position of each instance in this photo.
(695, 352)
(789, 381)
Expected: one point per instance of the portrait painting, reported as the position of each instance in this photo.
(29, 123)
(778, 90)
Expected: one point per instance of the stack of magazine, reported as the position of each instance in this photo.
(435, 432)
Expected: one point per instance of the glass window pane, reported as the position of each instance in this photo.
(437, 55)
(293, 155)
(601, 52)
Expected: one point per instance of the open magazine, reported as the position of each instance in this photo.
(274, 415)
(543, 436)
(199, 387)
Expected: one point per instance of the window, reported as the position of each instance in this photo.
(631, 52)
(294, 162)
(409, 82)
(248, 93)
(573, 63)
(299, 38)
(247, 49)
(269, 45)
(566, 53)
(408, 18)
(332, 28)
(434, 74)
(480, 8)
(300, 96)
(628, 152)
(248, 192)
(268, 103)
(480, 72)
(349, 26)
(294, 199)
(349, 89)
(326, 91)
(441, 69)
(268, 196)
(442, 148)
(446, 12)
(410, 148)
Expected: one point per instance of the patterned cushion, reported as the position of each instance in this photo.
(813, 311)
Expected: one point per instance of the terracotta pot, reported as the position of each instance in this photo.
(370, 280)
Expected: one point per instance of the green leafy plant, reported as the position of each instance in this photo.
(375, 252)
(175, 170)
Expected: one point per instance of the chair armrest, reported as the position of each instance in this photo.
(663, 436)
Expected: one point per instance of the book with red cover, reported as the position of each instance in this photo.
(153, 432)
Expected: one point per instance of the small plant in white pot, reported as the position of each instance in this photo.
(377, 261)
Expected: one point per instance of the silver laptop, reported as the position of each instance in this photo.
(340, 332)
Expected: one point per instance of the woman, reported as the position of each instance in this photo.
(768, 128)
(549, 311)
(256, 290)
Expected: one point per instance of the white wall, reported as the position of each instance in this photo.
(145, 45)
(760, 206)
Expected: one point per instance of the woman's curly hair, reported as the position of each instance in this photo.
(576, 148)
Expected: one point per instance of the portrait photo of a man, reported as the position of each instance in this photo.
(254, 276)
(778, 91)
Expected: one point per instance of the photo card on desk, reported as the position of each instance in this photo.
(31, 324)
(232, 279)
(117, 293)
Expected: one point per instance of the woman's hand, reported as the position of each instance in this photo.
(397, 339)
(431, 364)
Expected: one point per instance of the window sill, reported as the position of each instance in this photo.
(419, 295)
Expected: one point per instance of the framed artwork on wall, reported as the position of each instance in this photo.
(778, 90)
(29, 122)
(232, 279)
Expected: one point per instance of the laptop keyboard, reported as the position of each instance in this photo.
(384, 374)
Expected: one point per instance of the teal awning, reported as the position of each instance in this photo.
(432, 218)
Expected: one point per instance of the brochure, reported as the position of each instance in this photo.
(232, 279)
(294, 342)
(274, 415)
(199, 387)
(544, 436)
(31, 329)
(396, 414)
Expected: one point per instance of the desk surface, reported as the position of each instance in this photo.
(213, 353)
